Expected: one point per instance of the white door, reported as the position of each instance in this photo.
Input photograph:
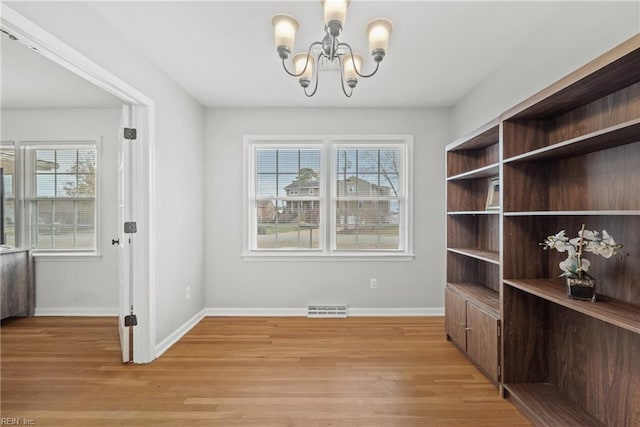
(124, 243)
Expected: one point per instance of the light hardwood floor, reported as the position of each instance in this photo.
(250, 372)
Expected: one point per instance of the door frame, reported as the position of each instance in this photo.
(143, 106)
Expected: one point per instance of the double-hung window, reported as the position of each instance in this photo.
(328, 196)
(60, 197)
(8, 165)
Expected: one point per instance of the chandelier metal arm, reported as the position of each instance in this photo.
(309, 95)
(354, 62)
(284, 65)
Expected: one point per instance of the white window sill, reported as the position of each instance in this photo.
(361, 256)
(67, 256)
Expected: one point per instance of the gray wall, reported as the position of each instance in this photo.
(232, 282)
(178, 177)
(71, 286)
(580, 33)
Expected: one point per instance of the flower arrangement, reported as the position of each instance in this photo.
(575, 266)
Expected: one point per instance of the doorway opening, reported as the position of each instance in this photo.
(138, 183)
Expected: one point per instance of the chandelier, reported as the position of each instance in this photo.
(330, 49)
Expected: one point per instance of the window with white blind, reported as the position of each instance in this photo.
(8, 165)
(60, 197)
(328, 196)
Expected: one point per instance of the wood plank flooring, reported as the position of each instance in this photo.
(248, 372)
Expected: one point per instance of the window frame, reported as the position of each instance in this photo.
(11, 145)
(24, 198)
(329, 144)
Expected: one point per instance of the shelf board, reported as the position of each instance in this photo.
(606, 74)
(621, 134)
(614, 312)
(483, 172)
(575, 213)
(486, 135)
(545, 406)
(489, 212)
(481, 254)
(480, 295)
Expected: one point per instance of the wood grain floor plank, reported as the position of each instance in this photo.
(248, 372)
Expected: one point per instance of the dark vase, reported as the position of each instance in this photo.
(581, 288)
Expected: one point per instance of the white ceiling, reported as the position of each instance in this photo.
(29, 80)
(222, 52)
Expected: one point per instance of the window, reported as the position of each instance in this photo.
(284, 218)
(328, 196)
(60, 197)
(8, 165)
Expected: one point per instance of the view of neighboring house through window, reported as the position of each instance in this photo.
(60, 196)
(8, 165)
(356, 201)
(368, 198)
(288, 212)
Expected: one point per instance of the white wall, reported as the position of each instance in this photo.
(577, 35)
(234, 283)
(178, 177)
(89, 286)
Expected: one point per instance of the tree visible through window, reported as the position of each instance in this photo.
(334, 196)
(368, 198)
(62, 199)
(288, 210)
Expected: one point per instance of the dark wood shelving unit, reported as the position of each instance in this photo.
(617, 313)
(544, 405)
(478, 294)
(619, 134)
(483, 172)
(484, 255)
(472, 294)
(571, 156)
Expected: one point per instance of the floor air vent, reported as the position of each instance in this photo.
(327, 311)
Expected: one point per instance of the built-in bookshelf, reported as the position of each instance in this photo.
(571, 156)
(567, 156)
(472, 297)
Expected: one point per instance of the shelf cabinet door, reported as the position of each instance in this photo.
(456, 310)
(482, 339)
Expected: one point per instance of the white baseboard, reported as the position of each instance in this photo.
(302, 312)
(175, 336)
(396, 312)
(76, 312)
(255, 312)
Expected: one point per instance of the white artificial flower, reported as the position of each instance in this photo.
(584, 265)
(607, 239)
(569, 265)
(588, 234)
(590, 241)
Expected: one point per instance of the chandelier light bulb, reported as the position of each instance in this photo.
(285, 28)
(299, 63)
(351, 73)
(335, 15)
(379, 31)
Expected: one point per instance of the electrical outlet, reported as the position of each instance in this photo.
(373, 283)
(187, 294)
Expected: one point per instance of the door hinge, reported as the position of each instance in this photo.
(130, 227)
(130, 133)
(499, 371)
(499, 330)
(130, 320)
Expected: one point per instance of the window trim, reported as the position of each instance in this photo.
(10, 144)
(329, 145)
(23, 233)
